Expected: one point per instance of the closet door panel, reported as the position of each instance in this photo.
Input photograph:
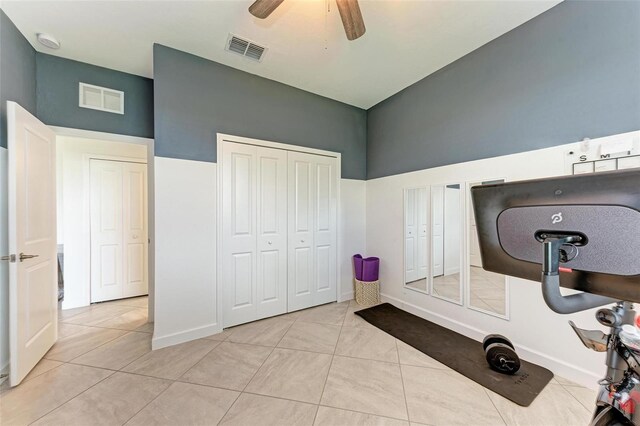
(325, 233)
(422, 247)
(135, 230)
(106, 230)
(239, 233)
(271, 232)
(437, 223)
(410, 240)
(301, 283)
(242, 278)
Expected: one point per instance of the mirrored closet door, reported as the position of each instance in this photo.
(416, 238)
(447, 215)
(487, 291)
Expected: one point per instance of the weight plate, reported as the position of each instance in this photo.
(502, 358)
(496, 338)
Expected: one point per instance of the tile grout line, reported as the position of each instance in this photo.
(404, 391)
(171, 380)
(74, 397)
(96, 308)
(333, 356)
(34, 377)
(369, 414)
(494, 405)
(254, 373)
(564, 388)
(112, 372)
(147, 404)
(83, 353)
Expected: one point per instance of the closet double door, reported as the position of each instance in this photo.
(279, 214)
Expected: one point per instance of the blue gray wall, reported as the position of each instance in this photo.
(196, 98)
(570, 73)
(57, 97)
(17, 72)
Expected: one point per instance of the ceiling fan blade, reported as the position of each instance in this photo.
(263, 8)
(351, 18)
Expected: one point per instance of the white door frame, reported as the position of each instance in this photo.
(112, 137)
(221, 137)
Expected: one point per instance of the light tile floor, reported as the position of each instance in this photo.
(322, 366)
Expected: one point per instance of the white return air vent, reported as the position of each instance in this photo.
(245, 47)
(101, 98)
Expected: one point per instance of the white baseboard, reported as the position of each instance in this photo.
(562, 368)
(184, 336)
(71, 304)
(345, 296)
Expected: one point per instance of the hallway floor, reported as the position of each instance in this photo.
(322, 366)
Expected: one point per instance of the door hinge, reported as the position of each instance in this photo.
(11, 258)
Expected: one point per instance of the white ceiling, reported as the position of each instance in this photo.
(405, 40)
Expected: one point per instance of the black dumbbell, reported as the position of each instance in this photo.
(500, 354)
(496, 338)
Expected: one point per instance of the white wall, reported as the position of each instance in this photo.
(352, 233)
(4, 266)
(540, 335)
(186, 305)
(73, 155)
(185, 250)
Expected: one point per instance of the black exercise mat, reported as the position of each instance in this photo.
(458, 352)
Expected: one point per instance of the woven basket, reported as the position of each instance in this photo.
(367, 292)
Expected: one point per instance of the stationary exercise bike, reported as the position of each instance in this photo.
(583, 233)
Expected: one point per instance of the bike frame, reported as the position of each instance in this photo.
(620, 388)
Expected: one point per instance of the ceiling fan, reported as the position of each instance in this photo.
(349, 12)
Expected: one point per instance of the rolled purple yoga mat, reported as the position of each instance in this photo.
(370, 268)
(357, 266)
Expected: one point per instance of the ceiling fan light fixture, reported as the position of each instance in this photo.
(48, 41)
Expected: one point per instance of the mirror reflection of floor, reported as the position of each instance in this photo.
(447, 286)
(487, 289)
(418, 284)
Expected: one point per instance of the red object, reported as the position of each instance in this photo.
(638, 321)
(565, 269)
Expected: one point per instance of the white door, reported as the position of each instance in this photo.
(423, 225)
(254, 222)
(312, 230)
(325, 236)
(437, 222)
(33, 284)
(136, 232)
(410, 237)
(239, 233)
(119, 232)
(271, 219)
(301, 207)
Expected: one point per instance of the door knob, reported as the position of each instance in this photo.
(27, 256)
(269, 242)
(11, 258)
(302, 241)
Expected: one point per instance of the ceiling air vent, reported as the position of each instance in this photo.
(245, 48)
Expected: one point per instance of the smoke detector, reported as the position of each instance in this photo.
(245, 48)
(48, 41)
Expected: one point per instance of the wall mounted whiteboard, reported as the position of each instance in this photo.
(616, 152)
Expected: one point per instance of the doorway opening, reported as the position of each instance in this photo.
(104, 220)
